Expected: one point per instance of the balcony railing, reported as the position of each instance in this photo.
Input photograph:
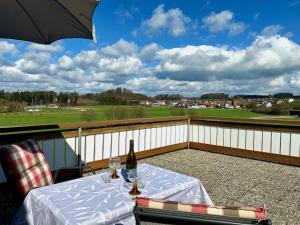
(66, 145)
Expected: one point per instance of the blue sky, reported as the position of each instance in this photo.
(188, 47)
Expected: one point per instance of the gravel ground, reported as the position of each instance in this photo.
(241, 182)
(228, 181)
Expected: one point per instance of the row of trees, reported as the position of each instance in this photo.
(40, 97)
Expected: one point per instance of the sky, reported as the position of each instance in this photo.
(180, 46)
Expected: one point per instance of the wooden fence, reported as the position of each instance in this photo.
(271, 140)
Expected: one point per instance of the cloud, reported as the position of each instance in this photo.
(267, 64)
(223, 21)
(7, 48)
(278, 82)
(45, 48)
(174, 21)
(256, 15)
(148, 52)
(65, 62)
(294, 3)
(271, 30)
(124, 14)
(120, 48)
(265, 57)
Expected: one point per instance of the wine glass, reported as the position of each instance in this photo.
(106, 176)
(132, 176)
(114, 164)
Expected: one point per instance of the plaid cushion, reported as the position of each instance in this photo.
(251, 213)
(28, 165)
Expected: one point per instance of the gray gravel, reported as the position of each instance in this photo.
(228, 180)
(241, 182)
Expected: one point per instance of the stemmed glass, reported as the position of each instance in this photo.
(132, 176)
(114, 164)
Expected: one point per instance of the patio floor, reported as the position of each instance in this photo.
(228, 181)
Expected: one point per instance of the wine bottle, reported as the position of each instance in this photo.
(131, 162)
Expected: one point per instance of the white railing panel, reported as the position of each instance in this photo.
(206, 134)
(249, 140)
(148, 139)
(173, 136)
(115, 144)
(129, 135)
(163, 136)
(153, 138)
(47, 148)
(220, 136)
(266, 141)
(275, 142)
(295, 146)
(213, 137)
(241, 139)
(193, 133)
(142, 141)
(201, 131)
(285, 143)
(107, 146)
(234, 138)
(185, 133)
(59, 153)
(158, 136)
(99, 146)
(89, 148)
(70, 152)
(123, 144)
(258, 141)
(227, 138)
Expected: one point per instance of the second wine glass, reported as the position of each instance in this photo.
(114, 164)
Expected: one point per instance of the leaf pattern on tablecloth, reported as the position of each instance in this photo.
(89, 200)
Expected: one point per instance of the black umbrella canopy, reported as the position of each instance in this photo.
(45, 21)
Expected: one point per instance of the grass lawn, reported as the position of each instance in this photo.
(64, 115)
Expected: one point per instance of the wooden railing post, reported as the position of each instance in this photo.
(79, 146)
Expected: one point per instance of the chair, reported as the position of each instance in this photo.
(153, 211)
(26, 167)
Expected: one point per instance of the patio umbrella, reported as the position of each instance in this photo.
(45, 21)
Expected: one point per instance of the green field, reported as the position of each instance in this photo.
(65, 115)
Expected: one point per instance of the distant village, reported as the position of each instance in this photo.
(35, 101)
(211, 104)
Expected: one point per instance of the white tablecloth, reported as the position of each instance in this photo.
(89, 200)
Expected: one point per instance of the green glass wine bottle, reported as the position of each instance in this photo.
(131, 162)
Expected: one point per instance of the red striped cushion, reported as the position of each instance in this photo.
(243, 212)
(28, 165)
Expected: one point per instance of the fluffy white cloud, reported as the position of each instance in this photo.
(148, 52)
(265, 57)
(45, 48)
(271, 30)
(269, 63)
(124, 65)
(120, 48)
(65, 62)
(173, 20)
(223, 21)
(6, 47)
(87, 59)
